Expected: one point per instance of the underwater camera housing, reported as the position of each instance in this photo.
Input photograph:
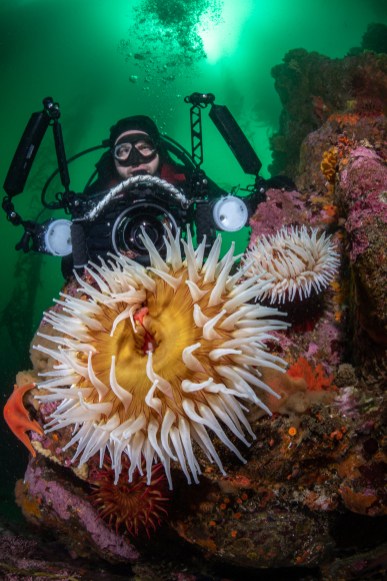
(114, 220)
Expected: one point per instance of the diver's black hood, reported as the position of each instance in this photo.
(139, 122)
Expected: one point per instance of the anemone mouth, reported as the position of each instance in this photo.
(153, 342)
(295, 262)
(149, 360)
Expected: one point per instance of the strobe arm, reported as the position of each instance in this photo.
(61, 155)
(37, 236)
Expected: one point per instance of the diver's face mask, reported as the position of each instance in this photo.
(133, 150)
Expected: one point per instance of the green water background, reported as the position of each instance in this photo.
(103, 60)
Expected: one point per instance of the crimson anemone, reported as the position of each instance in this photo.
(149, 360)
(292, 262)
(130, 506)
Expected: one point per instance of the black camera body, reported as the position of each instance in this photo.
(114, 221)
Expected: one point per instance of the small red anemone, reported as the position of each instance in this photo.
(135, 506)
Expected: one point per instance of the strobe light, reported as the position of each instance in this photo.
(55, 237)
(230, 214)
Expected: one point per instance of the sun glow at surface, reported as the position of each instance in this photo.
(222, 39)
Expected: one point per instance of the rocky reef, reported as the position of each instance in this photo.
(310, 501)
(314, 88)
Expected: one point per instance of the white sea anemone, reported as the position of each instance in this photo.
(150, 360)
(293, 262)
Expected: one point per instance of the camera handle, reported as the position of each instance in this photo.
(133, 182)
(26, 241)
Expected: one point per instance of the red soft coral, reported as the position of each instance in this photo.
(315, 377)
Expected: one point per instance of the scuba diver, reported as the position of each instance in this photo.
(144, 182)
(136, 148)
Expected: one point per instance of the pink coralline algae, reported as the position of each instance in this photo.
(365, 165)
(281, 208)
(364, 212)
(362, 189)
(71, 511)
